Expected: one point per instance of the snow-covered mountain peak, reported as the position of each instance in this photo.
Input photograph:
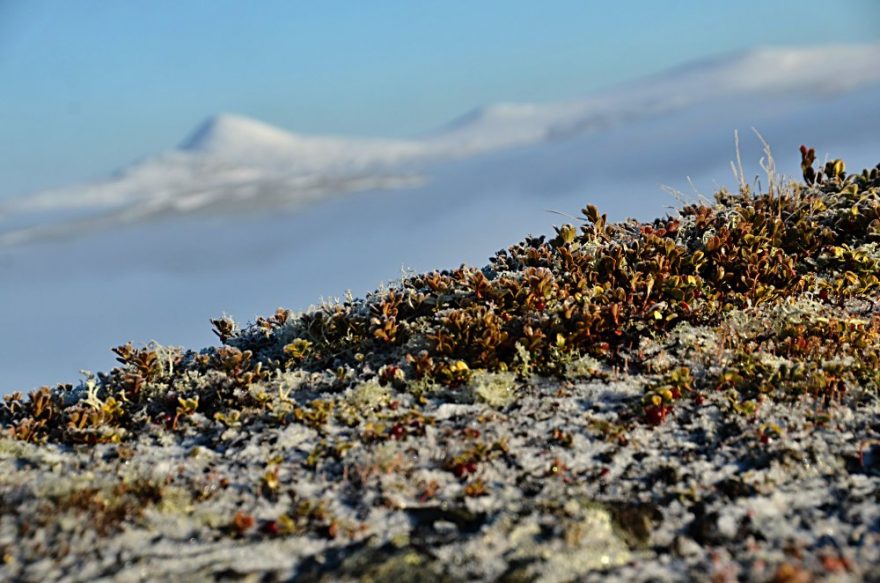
(224, 132)
(240, 140)
(230, 158)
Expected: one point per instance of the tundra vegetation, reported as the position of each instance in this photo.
(589, 404)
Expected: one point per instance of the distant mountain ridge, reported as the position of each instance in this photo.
(224, 130)
(230, 159)
(246, 140)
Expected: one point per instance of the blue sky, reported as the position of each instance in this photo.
(88, 85)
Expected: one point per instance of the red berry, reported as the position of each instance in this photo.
(463, 469)
(656, 414)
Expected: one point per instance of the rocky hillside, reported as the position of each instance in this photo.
(692, 398)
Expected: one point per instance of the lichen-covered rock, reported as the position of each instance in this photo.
(694, 398)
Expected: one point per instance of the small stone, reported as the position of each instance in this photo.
(684, 546)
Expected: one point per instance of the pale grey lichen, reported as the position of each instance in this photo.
(494, 389)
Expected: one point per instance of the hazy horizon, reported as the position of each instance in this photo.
(93, 86)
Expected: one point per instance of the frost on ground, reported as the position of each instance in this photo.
(690, 399)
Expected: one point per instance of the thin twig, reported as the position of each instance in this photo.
(564, 214)
(675, 193)
(769, 166)
(695, 189)
(743, 187)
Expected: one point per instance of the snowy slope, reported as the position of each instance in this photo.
(243, 217)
